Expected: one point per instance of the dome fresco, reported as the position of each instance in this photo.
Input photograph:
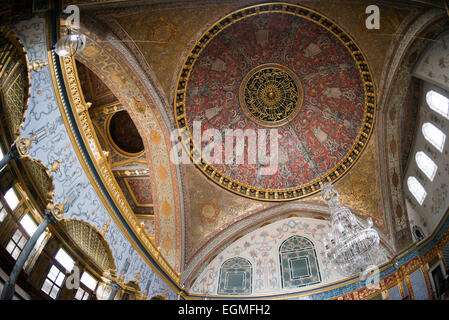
(276, 70)
(318, 91)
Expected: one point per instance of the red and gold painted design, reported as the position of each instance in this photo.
(337, 116)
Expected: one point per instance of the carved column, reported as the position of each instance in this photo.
(11, 155)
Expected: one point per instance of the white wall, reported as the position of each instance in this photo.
(429, 214)
(261, 248)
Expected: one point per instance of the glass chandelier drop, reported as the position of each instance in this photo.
(70, 44)
(351, 247)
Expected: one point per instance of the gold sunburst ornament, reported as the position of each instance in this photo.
(271, 95)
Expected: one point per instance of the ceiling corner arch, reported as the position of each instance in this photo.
(116, 67)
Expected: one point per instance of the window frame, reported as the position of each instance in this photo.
(61, 270)
(429, 139)
(413, 178)
(53, 283)
(18, 244)
(85, 289)
(421, 156)
(433, 107)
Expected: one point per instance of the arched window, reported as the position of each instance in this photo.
(426, 165)
(235, 277)
(438, 103)
(416, 189)
(299, 264)
(434, 135)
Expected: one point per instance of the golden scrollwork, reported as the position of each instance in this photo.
(55, 166)
(57, 210)
(271, 95)
(37, 65)
(23, 145)
(105, 227)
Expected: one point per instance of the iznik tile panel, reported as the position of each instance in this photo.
(394, 293)
(419, 285)
(235, 277)
(299, 264)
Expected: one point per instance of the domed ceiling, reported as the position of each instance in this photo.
(286, 68)
(269, 66)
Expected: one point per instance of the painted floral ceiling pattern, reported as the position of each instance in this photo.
(332, 110)
(162, 35)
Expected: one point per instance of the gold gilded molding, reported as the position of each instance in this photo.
(314, 186)
(86, 129)
(15, 82)
(40, 179)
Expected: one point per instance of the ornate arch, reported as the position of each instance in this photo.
(396, 77)
(116, 66)
(38, 179)
(233, 231)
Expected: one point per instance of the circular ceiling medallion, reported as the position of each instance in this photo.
(271, 95)
(284, 66)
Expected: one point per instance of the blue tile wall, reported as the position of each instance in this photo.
(419, 285)
(394, 293)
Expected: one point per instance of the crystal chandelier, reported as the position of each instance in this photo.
(351, 247)
(74, 42)
(70, 44)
